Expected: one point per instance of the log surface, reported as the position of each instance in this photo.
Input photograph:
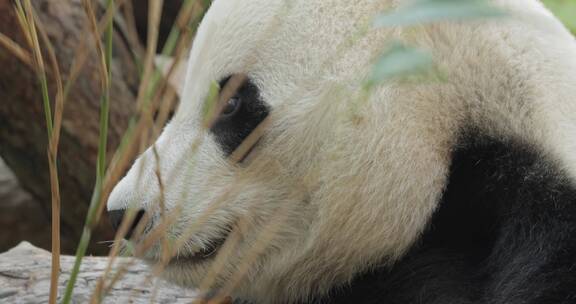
(25, 278)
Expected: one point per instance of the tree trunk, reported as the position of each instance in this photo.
(23, 136)
(25, 278)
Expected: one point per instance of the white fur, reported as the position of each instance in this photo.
(356, 180)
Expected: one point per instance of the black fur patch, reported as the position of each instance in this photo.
(505, 232)
(231, 131)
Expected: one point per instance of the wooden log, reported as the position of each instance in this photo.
(25, 278)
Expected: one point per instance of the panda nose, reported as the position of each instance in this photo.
(116, 217)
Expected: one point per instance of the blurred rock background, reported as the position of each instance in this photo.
(25, 205)
(21, 217)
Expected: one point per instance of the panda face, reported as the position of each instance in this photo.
(340, 179)
(303, 197)
(262, 210)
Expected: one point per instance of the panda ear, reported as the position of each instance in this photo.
(176, 80)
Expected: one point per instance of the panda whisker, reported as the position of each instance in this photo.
(109, 243)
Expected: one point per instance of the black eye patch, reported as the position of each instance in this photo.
(241, 114)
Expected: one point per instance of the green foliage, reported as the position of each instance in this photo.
(565, 10)
(401, 60)
(426, 11)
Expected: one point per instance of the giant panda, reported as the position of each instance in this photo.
(460, 189)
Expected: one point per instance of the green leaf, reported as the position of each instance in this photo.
(427, 11)
(565, 10)
(400, 61)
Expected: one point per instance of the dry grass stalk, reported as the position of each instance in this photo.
(28, 20)
(93, 26)
(130, 29)
(16, 50)
(83, 50)
(265, 236)
(161, 202)
(146, 120)
(165, 108)
(155, 12)
(220, 260)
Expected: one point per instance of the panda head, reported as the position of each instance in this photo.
(314, 200)
(339, 180)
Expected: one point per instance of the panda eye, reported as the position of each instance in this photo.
(239, 116)
(231, 107)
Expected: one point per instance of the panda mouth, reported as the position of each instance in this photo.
(207, 252)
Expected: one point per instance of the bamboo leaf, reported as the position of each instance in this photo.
(565, 10)
(427, 11)
(400, 61)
